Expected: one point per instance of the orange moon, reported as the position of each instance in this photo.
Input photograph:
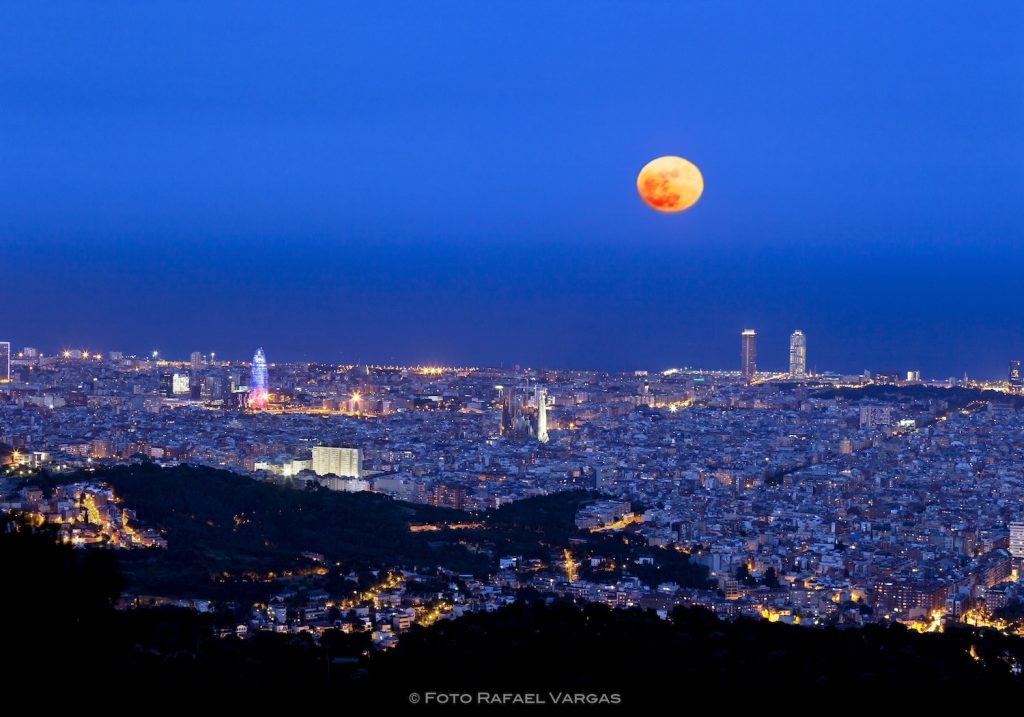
(670, 184)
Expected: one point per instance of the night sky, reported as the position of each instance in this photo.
(455, 182)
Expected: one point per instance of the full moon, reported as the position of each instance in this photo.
(670, 184)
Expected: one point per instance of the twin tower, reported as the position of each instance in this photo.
(797, 354)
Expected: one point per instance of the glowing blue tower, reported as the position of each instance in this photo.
(258, 392)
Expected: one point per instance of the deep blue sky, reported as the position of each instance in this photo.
(454, 182)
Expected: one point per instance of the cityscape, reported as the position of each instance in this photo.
(492, 355)
(821, 499)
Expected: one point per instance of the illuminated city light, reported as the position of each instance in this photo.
(585, 408)
(571, 566)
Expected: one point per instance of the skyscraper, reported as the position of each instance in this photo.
(259, 382)
(542, 414)
(1016, 380)
(1017, 539)
(174, 384)
(197, 360)
(797, 354)
(5, 361)
(748, 353)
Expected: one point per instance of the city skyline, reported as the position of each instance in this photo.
(177, 188)
(794, 363)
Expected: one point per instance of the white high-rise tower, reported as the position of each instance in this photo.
(798, 354)
(542, 414)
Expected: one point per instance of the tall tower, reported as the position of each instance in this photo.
(197, 360)
(748, 353)
(258, 383)
(797, 354)
(1015, 376)
(1016, 539)
(5, 361)
(542, 414)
